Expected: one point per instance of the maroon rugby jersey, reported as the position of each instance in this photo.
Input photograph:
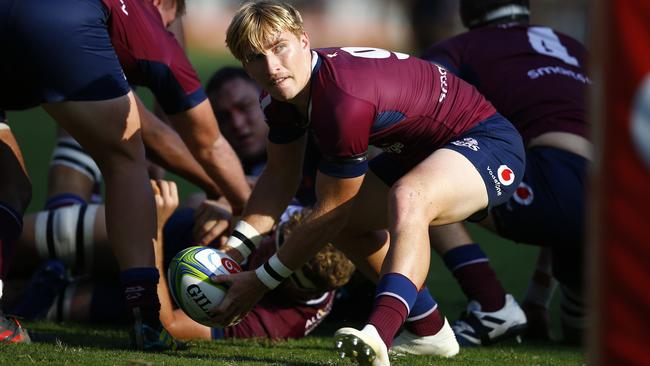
(534, 76)
(280, 315)
(150, 55)
(362, 96)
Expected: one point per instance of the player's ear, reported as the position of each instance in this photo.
(304, 41)
(156, 3)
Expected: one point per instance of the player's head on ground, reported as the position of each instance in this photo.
(169, 9)
(479, 13)
(269, 39)
(327, 270)
(234, 97)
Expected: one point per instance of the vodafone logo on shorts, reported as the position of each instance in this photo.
(523, 194)
(506, 175)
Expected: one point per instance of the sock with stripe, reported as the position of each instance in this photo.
(425, 318)
(396, 295)
(140, 292)
(478, 281)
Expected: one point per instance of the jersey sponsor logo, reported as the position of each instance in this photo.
(443, 83)
(124, 7)
(467, 142)
(394, 148)
(640, 121)
(506, 175)
(332, 55)
(497, 183)
(557, 70)
(523, 194)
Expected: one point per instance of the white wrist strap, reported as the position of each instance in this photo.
(273, 272)
(244, 238)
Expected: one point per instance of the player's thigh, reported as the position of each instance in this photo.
(106, 127)
(447, 187)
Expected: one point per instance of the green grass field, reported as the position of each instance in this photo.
(79, 344)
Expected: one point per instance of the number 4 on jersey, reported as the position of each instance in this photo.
(546, 42)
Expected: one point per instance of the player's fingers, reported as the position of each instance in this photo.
(154, 187)
(225, 279)
(218, 228)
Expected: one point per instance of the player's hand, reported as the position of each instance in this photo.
(244, 292)
(166, 197)
(211, 221)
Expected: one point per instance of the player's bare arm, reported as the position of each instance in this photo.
(198, 128)
(166, 148)
(329, 216)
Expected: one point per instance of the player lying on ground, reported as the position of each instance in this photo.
(291, 311)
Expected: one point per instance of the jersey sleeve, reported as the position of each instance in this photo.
(174, 83)
(342, 130)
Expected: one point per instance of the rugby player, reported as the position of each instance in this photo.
(349, 98)
(292, 310)
(47, 62)
(537, 78)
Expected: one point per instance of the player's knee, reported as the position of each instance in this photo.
(408, 202)
(66, 233)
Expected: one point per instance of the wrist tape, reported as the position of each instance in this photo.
(273, 272)
(244, 238)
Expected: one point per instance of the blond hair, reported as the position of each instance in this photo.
(257, 23)
(329, 268)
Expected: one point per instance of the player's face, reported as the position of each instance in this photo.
(284, 68)
(237, 108)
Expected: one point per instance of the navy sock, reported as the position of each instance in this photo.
(140, 294)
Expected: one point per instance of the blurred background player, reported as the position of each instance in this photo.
(537, 78)
(99, 98)
(406, 189)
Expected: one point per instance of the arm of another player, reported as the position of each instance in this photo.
(175, 321)
(166, 148)
(198, 128)
(327, 219)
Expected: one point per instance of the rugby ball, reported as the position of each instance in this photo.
(189, 280)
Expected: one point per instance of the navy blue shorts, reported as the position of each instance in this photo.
(495, 149)
(548, 209)
(55, 51)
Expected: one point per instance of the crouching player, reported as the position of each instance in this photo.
(292, 310)
(350, 98)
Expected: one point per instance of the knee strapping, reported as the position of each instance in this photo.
(69, 153)
(67, 233)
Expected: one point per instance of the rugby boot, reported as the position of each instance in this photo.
(441, 344)
(364, 346)
(11, 331)
(151, 338)
(479, 328)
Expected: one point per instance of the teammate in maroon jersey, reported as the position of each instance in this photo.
(537, 78)
(74, 58)
(447, 156)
